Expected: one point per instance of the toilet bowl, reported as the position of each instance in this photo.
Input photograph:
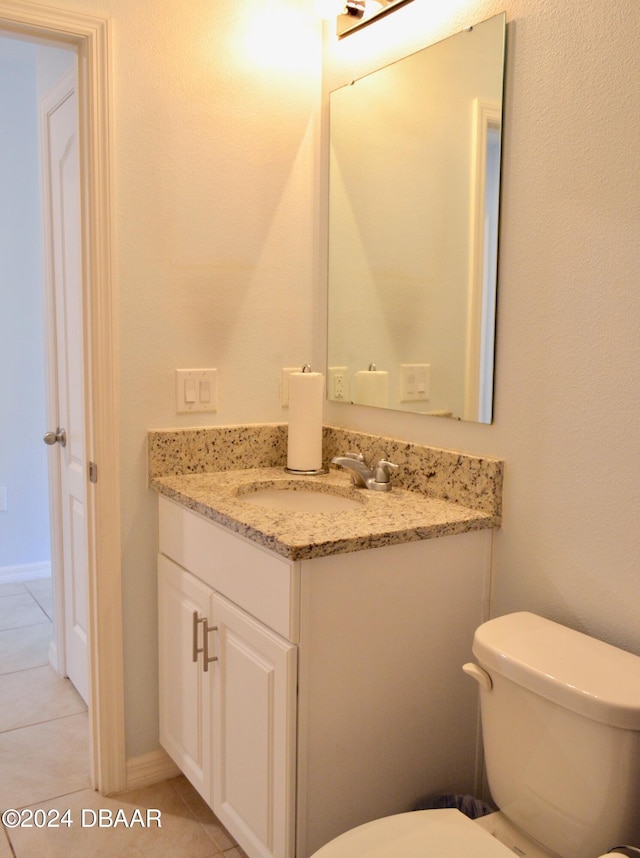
(561, 732)
(419, 834)
(441, 834)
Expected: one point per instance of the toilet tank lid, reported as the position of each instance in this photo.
(578, 672)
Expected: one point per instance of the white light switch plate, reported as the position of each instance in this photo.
(196, 390)
(414, 382)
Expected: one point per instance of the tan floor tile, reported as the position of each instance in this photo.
(21, 649)
(20, 610)
(203, 813)
(36, 695)
(42, 592)
(5, 849)
(12, 588)
(44, 760)
(39, 585)
(180, 834)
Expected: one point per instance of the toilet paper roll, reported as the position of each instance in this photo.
(372, 387)
(304, 442)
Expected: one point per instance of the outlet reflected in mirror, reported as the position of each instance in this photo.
(413, 229)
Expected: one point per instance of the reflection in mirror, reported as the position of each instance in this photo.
(413, 229)
(357, 13)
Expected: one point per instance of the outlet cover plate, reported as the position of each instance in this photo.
(338, 383)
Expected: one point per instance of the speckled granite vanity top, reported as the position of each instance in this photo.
(182, 466)
(382, 518)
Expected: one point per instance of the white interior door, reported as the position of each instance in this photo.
(68, 466)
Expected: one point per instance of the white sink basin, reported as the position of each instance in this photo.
(288, 499)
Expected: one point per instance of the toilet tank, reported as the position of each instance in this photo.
(561, 733)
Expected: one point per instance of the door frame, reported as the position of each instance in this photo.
(482, 307)
(91, 37)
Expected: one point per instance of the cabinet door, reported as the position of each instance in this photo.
(185, 688)
(254, 704)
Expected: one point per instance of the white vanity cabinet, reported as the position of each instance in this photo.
(227, 688)
(337, 695)
(185, 689)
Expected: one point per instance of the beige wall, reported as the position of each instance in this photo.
(216, 178)
(567, 403)
(215, 140)
(216, 132)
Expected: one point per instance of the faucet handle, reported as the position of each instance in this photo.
(357, 456)
(383, 471)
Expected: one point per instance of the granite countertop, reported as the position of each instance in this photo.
(385, 518)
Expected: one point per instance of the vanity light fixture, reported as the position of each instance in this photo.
(351, 14)
(355, 8)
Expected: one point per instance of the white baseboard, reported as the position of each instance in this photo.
(25, 572)
(150, 769)
(53, 657)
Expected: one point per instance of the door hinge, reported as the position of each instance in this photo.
(93, 472)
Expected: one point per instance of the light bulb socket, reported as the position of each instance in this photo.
(354, 8)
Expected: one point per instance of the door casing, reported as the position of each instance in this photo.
(90, 35)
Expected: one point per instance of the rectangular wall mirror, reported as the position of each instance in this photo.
(414, 187)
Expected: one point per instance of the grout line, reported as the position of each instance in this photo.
(45, 721)
(44, 622)
(22, 669)
(42, 608)
(40, 802)
(34, 667)
(184, 801)
(10, 844)
(203, 824)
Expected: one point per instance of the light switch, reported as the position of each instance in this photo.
(205, 390)
(414, 381)
(196, 390)
(189, 390)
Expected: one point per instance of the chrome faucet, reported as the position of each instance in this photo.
(377, 478)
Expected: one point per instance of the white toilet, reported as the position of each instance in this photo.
(561, 730)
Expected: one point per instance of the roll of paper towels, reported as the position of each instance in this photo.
(304, 442)
(372, 387)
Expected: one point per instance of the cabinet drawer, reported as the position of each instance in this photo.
(260, 582)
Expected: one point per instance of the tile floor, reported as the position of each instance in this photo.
(44, 762)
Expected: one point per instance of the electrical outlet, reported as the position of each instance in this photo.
(414, 382)
(3, 498)
(338, 378)
(196, 390)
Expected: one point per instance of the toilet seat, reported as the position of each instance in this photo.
(419, 834)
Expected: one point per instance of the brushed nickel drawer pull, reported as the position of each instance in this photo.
(206, 659)
(196, 622)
